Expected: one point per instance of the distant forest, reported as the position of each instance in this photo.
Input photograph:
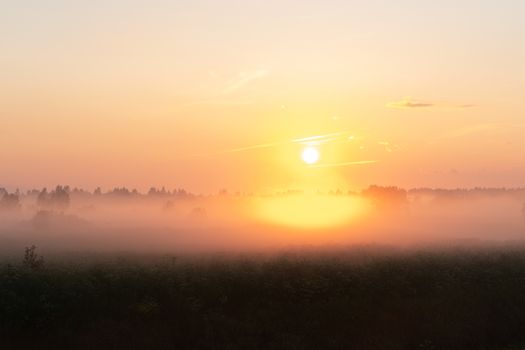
(60, 196)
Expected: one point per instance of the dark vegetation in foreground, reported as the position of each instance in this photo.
(460, 299)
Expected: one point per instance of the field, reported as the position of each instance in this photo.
(354, 298)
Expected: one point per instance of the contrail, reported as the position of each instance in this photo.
(329, 165)
(317, 139)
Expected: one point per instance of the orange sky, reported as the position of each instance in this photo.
(139, 94)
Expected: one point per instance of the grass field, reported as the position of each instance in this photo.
(352, 299)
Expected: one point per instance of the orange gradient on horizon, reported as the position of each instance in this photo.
(122, 93)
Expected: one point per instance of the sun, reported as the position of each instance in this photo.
(310, 155)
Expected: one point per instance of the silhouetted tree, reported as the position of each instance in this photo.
(152, 191)
(10, 202)
(180, 192)
(42, 199)
(57, 199)
(33, 192)
(120, 191)
(31, 259)
(60, 197)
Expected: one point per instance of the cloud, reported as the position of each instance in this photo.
(309, 141)
(408, 103)
(332, 165)
(245, 78)
(319, 139)
(314, 140)
(389, 147)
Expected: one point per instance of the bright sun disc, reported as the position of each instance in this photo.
(310, 155)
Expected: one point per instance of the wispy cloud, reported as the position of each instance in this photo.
(315, 140)
(308, 141)
(245, 78)
(333, 165)
(319, 139)
(389, 147)
(410, 103)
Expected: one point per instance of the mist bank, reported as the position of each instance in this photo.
(65, 220)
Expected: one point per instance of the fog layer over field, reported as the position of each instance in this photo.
(65, 220)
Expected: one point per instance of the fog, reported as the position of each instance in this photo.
(72, 221)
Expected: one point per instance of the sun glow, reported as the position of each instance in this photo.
(310, 155)
(311, 211)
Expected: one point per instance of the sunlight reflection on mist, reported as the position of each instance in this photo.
(310, 211)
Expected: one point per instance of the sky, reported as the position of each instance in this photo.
(208, 95)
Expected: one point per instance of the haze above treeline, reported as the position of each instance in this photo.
(65, 219)
(181, 192)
